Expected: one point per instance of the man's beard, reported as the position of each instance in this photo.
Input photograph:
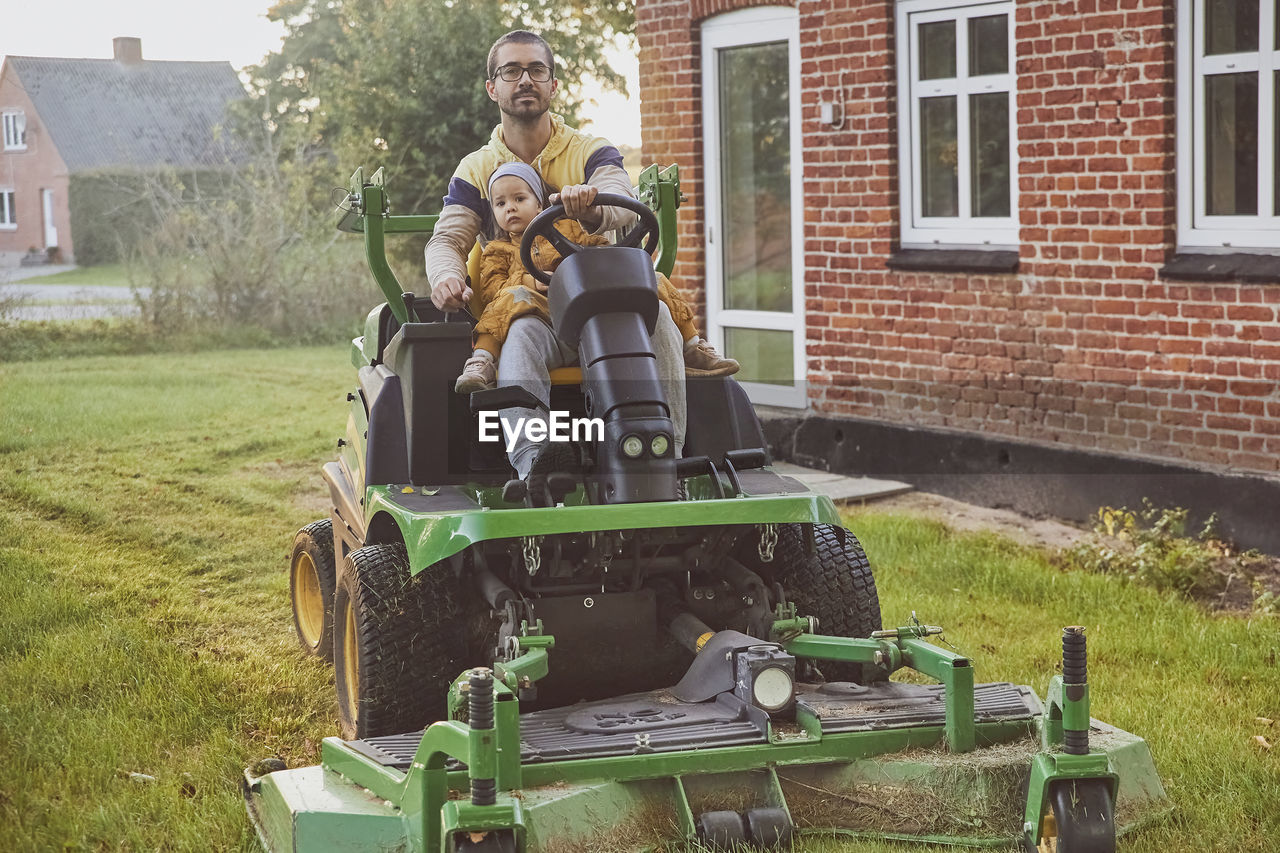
(524, 113)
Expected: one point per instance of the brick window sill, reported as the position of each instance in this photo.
(1239, 267)
(953, 260)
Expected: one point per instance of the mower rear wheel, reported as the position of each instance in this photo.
(1083, 818)
(311, 587)
(397, 647)
(834, 584)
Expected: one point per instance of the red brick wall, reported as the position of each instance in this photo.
(1084, 345)
(28, 172)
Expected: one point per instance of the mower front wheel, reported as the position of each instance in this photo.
(1083, 818)
(396, 645)
(833, 584)
(311, 586)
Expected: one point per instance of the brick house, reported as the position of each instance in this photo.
(1023, 253)
(64, 118)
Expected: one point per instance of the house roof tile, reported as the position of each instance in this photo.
(101, 113)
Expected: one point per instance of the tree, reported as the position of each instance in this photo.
(400, 83)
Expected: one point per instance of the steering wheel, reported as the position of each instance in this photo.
(544, 226)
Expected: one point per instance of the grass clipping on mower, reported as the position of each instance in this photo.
(974, 794)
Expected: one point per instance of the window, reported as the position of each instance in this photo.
(8, 217)
(956, 132)
(1229, 123)
(15, 130)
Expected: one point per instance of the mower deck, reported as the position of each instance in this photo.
(633, 773)
(656, 721)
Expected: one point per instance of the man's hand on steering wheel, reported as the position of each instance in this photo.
(578, 201)
(544, 225)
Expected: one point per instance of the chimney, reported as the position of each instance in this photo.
(128, 50)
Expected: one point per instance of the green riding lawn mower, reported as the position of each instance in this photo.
(629, 650)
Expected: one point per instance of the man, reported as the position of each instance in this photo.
(563, 157)
(521, 80)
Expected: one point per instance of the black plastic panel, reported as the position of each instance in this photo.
(721, 418)
(599, 281)
(847, 707)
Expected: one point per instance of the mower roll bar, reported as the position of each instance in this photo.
(366, 210)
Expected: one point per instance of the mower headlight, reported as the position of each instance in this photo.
(659, 445)
(632, 446)
(773, 689)
(765, 676)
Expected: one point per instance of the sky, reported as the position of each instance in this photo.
(233, 30)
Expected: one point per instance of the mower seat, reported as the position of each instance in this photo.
(566, 376)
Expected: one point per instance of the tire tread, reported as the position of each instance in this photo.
(409, 644)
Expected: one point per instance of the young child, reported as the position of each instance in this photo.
(507, 291)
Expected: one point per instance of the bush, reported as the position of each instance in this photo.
(1152, 546)
(257, 251)
(111, 211)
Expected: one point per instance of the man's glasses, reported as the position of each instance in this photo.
(538, 73)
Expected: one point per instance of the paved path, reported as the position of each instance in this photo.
(37, 301)
(24, 273)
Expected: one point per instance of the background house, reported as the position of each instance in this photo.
(1024, 253)
(88, 121)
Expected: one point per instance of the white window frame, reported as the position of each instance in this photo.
(965, 230)
(8, 215)
(755, 25)
(1196, 229)
(15, 130)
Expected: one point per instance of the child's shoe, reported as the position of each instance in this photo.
(478, 374)
(701, 359)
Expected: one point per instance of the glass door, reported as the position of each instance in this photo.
(50, 230)
(754, 212)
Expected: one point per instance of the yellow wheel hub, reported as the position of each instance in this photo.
(308, 601)
(350, 662)
(1048, 834)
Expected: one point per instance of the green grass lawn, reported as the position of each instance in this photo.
(106, 275)
(147, 505)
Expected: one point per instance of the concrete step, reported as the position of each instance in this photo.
(840, 488)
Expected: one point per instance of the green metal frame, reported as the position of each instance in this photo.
(366, 211)
(899, 647)
(431, 537)
(660, 189)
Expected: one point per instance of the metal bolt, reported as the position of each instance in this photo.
(878, 658)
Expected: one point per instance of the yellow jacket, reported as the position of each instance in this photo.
(571, 156)
(507, 291)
